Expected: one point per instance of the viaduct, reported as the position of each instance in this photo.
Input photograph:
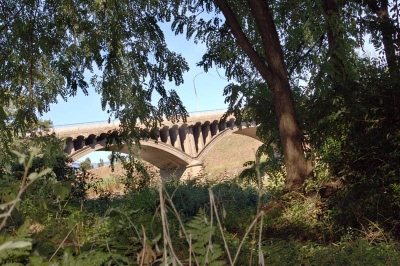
(180, 148)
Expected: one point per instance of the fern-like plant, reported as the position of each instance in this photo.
(17, 246)
(200, 232)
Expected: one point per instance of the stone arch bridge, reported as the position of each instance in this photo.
(180, 148)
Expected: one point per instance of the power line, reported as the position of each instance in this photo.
(195, 92)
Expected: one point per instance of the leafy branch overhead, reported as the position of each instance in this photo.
(51, 49)
(298, 69)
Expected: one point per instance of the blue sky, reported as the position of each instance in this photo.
(209, 87)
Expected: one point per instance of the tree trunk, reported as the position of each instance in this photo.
(296, 165)
(331, 12)
(389, 32)
(274, 72)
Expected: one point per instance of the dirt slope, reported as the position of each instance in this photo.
(227, 156)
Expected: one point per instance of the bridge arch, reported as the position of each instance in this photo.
(232, 129)
(158, 154)
(250, 131)
(167, 158)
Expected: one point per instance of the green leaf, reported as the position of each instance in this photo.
(32, 176)
(43, 173)
(21, 157)
(62, 190)
(16, 244)
(4, 205)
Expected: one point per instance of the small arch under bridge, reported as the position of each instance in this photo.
(180, 147)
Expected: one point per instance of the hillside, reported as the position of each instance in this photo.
(227, 157)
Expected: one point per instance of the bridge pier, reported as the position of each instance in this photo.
(188, 141)
(168, 173)
(69, 146)
(175, 138)
(193, 170)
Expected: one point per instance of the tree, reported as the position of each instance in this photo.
(267, 47)
(48, 47)
(249, 26)
(274, 71)
(86, 165)
(382, 20)
(101, 163)
(48, 152)
(349, 105)
(52, 49)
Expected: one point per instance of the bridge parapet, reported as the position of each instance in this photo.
(76, 130)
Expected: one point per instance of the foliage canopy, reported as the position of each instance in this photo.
(51, 49)
(298, 69)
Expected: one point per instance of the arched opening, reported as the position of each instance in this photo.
(182, 136)
(214, 128)
(164, 135)
(197, 135)
(97, 158)
(79, 143)
(161, 155)
(205, 128)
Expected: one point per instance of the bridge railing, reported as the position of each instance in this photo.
(89, 123)
(115, 123)
(207, 112)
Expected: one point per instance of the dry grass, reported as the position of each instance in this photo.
(227, 157)
(106, 171)
(106, 181)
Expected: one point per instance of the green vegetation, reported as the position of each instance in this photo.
(86, 165)
(215, 222)
(328, 115)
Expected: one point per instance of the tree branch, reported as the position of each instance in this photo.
(319, 41)
(269, 37)
(7, 23)
(242, 40)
